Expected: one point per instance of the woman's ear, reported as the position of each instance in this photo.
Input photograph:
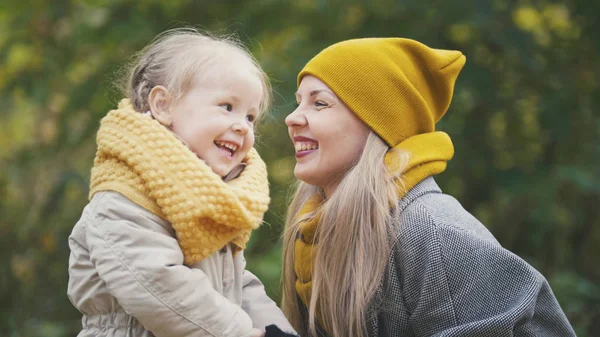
(159, 101)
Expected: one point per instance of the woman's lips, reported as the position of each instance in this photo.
(301, 154)
(304, 146)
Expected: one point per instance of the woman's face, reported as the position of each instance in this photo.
(328, 137)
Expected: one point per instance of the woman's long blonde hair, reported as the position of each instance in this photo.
(352, 249)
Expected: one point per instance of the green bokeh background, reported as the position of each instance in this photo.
(524, 121)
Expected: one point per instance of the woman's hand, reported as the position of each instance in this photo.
(257, 333)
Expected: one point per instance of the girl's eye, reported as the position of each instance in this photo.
(226, 106)
(251, 118)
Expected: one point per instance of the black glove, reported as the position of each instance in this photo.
(274, 331)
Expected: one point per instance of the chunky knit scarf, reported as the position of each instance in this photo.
(428, 154)
(143, 160)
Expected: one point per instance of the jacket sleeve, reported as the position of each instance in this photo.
(261, 308)
(459, 281)
(142, 266)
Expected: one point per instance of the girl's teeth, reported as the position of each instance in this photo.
(227, 145)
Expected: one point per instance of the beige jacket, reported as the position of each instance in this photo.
(127, 278)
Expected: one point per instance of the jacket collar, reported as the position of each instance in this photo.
(426, 186)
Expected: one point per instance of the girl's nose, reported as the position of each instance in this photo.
(240, 128)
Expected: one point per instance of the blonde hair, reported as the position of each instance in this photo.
(353, 248)
(176, 56)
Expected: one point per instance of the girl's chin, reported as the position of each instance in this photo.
(227, 171)
(220, 169)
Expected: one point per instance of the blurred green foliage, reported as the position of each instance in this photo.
(524, 120)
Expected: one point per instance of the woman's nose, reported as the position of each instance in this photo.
(295, 118)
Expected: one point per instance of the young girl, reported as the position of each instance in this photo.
(175, 191)
(372, 245)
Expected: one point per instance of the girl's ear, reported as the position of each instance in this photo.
(159, 101)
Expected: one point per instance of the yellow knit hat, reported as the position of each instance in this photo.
(398, 87)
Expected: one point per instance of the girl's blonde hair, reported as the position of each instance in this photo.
(174, 58)
(353, 244)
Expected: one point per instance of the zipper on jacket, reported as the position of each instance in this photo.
(223, 251)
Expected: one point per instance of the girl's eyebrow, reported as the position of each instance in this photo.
(226, 96)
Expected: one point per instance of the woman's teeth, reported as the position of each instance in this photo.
(230, 146)
(306, 146)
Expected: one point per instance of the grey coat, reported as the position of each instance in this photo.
(448, 276)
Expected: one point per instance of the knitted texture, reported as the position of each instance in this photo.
(428, 155)
(398, 87)
(141, 159)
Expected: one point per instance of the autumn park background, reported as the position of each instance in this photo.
(524, 120)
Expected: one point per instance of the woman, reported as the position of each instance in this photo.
(372, 246)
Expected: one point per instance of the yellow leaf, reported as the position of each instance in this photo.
(527, 18)
(47, 131)
(48, 242)
(4, 29)
(498, 126)
(282, 170)
(58, 102)
(461, 32)
(23, 268)
(305, 4)
(557, 17)
(4, 78)
(353, 17)
(20, 57)
(17, 127)
(542, 37)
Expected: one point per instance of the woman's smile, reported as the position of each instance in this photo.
(305, 146)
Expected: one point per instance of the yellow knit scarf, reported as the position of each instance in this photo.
(428, 153)
(143, 160)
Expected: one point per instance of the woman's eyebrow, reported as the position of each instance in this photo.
(314, 92)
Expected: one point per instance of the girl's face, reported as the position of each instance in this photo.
(215, 118)
(328, 137)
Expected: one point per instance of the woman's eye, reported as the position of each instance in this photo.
(226, 106)
(321, 104)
